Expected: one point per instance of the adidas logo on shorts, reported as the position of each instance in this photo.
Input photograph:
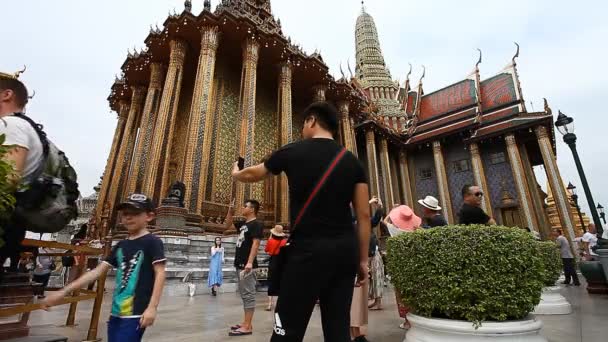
(278, 327)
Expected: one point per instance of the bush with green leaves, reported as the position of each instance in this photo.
(7, 187)
(475, 273)
(552, 261)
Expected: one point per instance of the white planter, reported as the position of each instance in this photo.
(445, 330)
(552, 302)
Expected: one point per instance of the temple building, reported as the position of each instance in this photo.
(227, 82)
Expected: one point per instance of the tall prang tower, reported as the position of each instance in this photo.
(371, 71)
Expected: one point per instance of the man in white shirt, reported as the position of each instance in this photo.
(26, 153)
(589, 240)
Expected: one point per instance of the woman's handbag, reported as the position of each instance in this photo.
(281, 258)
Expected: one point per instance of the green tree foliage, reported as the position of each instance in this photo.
(7, 188)
(475, 273)
(552, 262)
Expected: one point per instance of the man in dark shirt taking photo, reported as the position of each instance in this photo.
(471, 212)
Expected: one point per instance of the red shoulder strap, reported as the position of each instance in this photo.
(318, 187)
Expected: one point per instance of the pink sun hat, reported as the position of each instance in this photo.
(403, 217)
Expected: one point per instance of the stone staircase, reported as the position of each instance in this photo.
(188, 261)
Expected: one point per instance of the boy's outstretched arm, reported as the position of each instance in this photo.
(55, 297)
(148, 317)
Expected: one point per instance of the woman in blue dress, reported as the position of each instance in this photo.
(216, 277)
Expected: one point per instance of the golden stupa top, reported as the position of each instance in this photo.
(13, 76)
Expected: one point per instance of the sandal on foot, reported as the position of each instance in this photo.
(239, 333)
(235, 327)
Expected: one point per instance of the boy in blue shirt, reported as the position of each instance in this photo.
(139, 261)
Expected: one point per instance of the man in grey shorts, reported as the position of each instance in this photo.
(245, 261)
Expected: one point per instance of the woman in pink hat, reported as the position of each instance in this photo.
(402, 220)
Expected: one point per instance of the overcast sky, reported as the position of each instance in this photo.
(74, 48)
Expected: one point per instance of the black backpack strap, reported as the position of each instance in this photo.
(43, 140)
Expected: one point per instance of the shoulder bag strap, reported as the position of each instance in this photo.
(318, 187)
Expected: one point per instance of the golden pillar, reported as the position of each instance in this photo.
(479, 175)
(251, 54)
(110, 172)
(125, 153)
(555, 181)
(521, 184)
(372, 162)
(158, 165)
(442, 182)
(285, 110)
(537, 201)
(404, 174)
(148, 119)
(319, 93)
(345, 126)
(201, 122)
(389, 197)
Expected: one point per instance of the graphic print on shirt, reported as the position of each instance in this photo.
(127, 275)
(241, 238)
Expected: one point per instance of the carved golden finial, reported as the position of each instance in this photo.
(423, 74)
(350, 71)
(479, 61)
(409, 72)
(547, 108)
(516, 53)
(188, 5)
(14, 75)
(342, 71)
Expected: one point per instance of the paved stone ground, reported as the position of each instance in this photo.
(204, 318)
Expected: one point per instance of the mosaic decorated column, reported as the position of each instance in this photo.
(319, 93)
(372, 163)
(125, 153)
(285, 110)
(347, 131)
(537, 201)
(519, 176)
(201, 122)
(148, 119)
(158, 164)
(251, 54)
(442, 182)
(479, 175)
(555, 181)
(389, 197)
(404, 174)
(110, 172)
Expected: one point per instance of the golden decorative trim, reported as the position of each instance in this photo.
(479, 175)
(386, 173)
(519, 177)
(442, 182)
(372, 163)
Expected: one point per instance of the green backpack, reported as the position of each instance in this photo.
(47, 203)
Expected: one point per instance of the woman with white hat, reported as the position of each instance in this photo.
(432, 212)
(402, 220)
(277, 240)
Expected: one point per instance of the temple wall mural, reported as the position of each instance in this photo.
(424, 175)
(498, 172)
(458, 167)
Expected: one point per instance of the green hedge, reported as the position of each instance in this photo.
(474, 273)
(552, 261)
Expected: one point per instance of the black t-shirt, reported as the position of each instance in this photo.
(472, 215)
(134, 263)
(437, 221)
(247, 232)
(304, 163)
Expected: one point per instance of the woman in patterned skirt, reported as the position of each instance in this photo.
(216, 277)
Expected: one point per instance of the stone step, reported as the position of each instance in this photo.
(41, 338)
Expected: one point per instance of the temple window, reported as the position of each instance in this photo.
(426, 173)
(497, 158)
(461, 165)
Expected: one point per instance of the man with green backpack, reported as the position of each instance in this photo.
(45, 183)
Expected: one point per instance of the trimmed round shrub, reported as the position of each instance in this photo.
(552, 262)
(475, 273)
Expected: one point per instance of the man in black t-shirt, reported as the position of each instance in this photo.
(327, 256)
(471, 212)
(245, 261)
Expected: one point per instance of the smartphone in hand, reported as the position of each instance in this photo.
(241, 163)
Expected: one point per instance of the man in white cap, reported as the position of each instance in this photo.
(432, 212)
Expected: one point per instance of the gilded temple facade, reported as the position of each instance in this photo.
(227, 82)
